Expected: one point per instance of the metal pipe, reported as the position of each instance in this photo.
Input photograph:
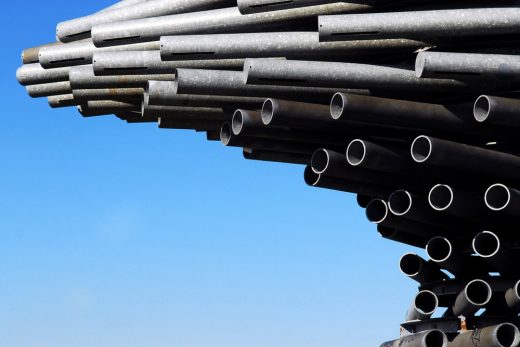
(423, 306)
(163, 93)
(369, 155)
(467, 65)
(187, 113)
(497, 110)
(197, 125)
(396, 235)
(81, 52)
(362, 200)
(512, 297)
(28, 74)
(224, 20)
(429, 338)
(231, 83)
(48, 89)
(466, 158)
(255, 6)
(249, 123)
(229, 139)
(475, 295)
(82, 77)
(105, 107)
(65, 100)
(119, 94)
(490, 247)
(79, 28)
(334, 183)
(500, 335)
(420, 24)
(149, 62)
(278, 157)
(31, 55)
(443, 252)
(419, 269)
(305, 44)
(345, 75)
(444, 198)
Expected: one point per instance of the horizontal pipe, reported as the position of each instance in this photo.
(149, 62)
(494, 250)
(249, 123)
(445, 198)
(48, 89)
(423, 306)
(497, 110)
(231, 83)
(467, 65)
(278, 157)
(57, 101)
(225, 20)
(81, 52)
(397, 235)
(500, 335)
(198, 125)
(334, 183)
(105, 107)
(419, 269)
(34, 73)
(444, 252)
(420, 24)
(466, 158)
(362, 200)
(451, 120)
(164, 93)
(229, 139)
(188, 113)
(119, 94)
(305, 44)
(429, 338)
(31, 55)
(255, 6)
(369, 155)
(512, 297)
(79, 28)
(475, 295)
(344, 75)
(82, 77)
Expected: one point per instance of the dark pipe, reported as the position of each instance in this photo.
(475, 295)
(501, 335)
(497, 110)
(279, 157)
(316, 180)
(423, 306)
(500, 198)
(419, 269)
(412, 239)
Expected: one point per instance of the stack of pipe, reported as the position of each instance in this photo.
(411, 105)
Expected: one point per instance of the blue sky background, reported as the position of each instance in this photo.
(116, 235)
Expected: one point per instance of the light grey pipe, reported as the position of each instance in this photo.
(255, 6)
(225, 20)
(79, 28)
(149, 62)
(82, 77)
(420, 24)
(120, 94)
(464, 65)
(276, 44)
(475, 295)
(81, 53)
(429, 338)
(57, 101)
(500, 335)
(48, 89)
(35, 74)
(106, 107)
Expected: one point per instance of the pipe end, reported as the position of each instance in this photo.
(237, 122)
(486, 244)
(310, 177)
(268, 109)
(497, 197)
(439, 249)
(400, 202)
(421, 149)
(337, 105)
(320, 161)
(440, 197)
(435, 338)
(420, 63)
(482, 108)
(356, 152)
(225, 133)
(376, 211)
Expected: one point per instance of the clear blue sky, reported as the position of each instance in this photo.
(116, 235)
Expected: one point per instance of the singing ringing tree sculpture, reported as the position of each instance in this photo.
(413, 107)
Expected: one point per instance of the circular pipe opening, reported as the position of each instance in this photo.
(426, 302)
(225, 133)
(267, 111)
(237, 122)
(421, 149)
(420, 62)
(486, 244)
(478, 292)
(356, 152)
(439, 249)
(410, 264)
(482, 108)
(435, 338)
(247, 152)
(507, 335)
(310, 177)
(400, 202)
(337, 105)
(497, 197)
(377, 211)
(320, 161)
(440, 197)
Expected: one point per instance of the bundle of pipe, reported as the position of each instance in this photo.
(411, 105)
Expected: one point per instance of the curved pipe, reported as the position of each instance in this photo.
(475, 295)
